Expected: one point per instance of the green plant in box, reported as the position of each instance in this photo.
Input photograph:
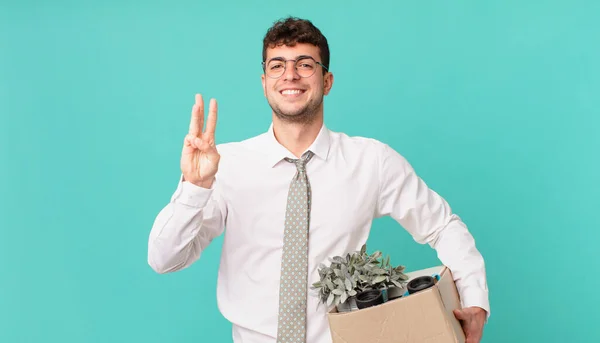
(354, 273)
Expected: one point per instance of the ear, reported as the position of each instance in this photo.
(262, 79)
(327, 83)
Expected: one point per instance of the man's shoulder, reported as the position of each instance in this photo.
(345, 140)
(243, 146)
(366, 148)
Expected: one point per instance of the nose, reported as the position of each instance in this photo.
(290, 71)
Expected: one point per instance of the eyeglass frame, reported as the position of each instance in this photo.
(285, 63)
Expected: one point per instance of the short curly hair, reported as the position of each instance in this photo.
(290, 31)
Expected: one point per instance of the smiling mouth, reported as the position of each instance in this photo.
(292, 92)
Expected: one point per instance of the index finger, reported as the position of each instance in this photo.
(197, 121)
(211, 122)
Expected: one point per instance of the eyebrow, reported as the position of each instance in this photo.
(280, 58)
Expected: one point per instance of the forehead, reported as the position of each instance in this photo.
(291, 52)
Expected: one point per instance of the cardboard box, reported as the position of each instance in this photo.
(422, 317)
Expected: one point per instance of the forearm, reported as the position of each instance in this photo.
(183, 229)
(456, 249)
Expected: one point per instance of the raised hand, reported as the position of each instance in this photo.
(199, 158)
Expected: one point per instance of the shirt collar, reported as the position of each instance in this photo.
(276, 152)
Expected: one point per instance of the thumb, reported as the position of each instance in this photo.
(460, 314)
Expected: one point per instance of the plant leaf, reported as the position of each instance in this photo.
(398, 284)
(337, 291)
(344, 297)
(348, 284)
(330, 299)
(379, 271)
(352, 292)
(379, 278)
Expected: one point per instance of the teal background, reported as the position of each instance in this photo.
(496, 105)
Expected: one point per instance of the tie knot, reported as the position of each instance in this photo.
(301, 162)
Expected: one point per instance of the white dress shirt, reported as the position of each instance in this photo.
(353, 180)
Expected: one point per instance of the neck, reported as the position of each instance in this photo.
(296, 137)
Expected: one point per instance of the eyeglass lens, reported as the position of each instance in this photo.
(305, 67)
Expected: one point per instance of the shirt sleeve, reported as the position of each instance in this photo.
(405, 197)
(186, 226)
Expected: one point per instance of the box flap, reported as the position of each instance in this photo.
(426, 272)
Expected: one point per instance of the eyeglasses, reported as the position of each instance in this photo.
(305, 66)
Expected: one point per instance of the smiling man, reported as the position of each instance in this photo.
(296, 195)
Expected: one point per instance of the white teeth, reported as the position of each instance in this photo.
(291, 91)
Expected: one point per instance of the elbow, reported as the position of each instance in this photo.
(158, 267)
(155, 260)
(452, 227)
(157, 263)
(163, 262)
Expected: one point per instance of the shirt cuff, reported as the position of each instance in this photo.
(476, 297)
(191, 195)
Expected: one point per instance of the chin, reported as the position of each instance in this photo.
(292, 111)
(300, 116)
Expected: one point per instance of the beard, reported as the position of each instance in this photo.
(303, 115)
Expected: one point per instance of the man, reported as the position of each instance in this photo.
(294, 196)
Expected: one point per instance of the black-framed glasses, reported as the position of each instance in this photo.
(305, 66)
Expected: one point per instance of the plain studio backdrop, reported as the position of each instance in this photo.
(495, 104)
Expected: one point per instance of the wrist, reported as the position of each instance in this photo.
(205, 183)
